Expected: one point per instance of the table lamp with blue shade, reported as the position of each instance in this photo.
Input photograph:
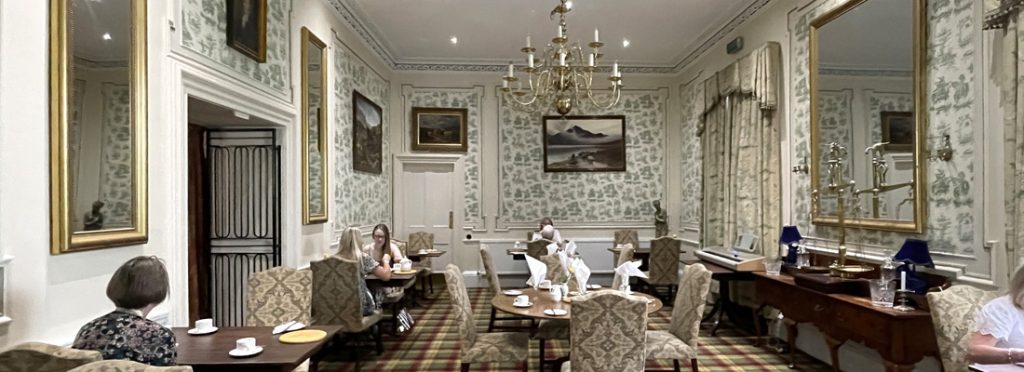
(790, 236)
(914, 252)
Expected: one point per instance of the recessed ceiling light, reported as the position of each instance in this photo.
(625, 43)
(106, 36)
(454, 39)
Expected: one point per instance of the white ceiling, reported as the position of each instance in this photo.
(845, 42)
(662, 33)
(90, 19)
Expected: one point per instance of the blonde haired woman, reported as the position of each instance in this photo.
(998, 336)
(350, 248)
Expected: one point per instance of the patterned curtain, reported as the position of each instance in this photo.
(740, 149)
(1010, 72)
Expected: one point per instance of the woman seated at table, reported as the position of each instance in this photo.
(998, 337)
(376, 249)
(350, 248)
(548, 231)
(137, 287)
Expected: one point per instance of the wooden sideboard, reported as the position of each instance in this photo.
(903, 338)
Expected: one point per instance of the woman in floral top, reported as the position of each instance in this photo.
(136, 288)
(350, 248)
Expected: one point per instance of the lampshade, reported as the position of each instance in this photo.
(914, 251)
(789, 234)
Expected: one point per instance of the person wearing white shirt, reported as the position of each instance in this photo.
(998, 337)
(382, 236)
(548, 231)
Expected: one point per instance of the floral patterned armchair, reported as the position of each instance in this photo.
(41, 357)
(953, 313)
(481, 347)
(608, 333)
(127, 366)
(278, 295)
(680, 341)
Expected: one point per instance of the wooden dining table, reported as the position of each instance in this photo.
(209, 352)
(420, 255)
(542, 300)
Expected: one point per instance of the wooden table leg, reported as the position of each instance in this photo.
(833, 351)
(757, 323)
(791, 340)
(893, 367)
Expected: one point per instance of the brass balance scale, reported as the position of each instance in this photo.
(837, 185)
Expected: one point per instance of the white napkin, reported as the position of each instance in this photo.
(535, 237)
(570, 248)
(288, 327)
(582, 273)
(537, 271)
(620, 247)
(564, 259)
(628, 269)
(552, 248)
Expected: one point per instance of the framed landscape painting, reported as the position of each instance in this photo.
(438, 129)
(367, 135)
(898, 130)
(584, 143)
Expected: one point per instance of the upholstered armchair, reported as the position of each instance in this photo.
(41, 357)
(551, 329)
(625, 255)
(680, 340)
(336, 298)
(423, 241)
(623, 237)
(537, 248)
(495, 284)
(481, 347)
(609, 333)
(953, 313)
(664, 266)
(278, 295)
(127, 366)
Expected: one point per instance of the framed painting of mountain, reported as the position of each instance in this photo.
(584, 143)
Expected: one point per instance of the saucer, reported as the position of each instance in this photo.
(544, 286)
(196, 331)
(245, 353)
(593, 286)
(555, 312)
(522, 305)
(410, 271)
(512, 292)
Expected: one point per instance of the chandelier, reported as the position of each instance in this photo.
(563, 75)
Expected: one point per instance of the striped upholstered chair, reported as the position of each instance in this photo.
(336, 300)
(664, 266)
(608, 333)
(680, 340)
(127, 366)
(41, 357)
(481, 347)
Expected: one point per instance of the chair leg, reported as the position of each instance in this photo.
(541, 352)
(490, 324)
(526, 365)
(693, 364)
(377, 339)
(465, 367)
(675, 365)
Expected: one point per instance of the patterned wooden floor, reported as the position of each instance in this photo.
(433, 345)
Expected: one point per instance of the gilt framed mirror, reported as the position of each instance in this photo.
(867, 88)
(314, 129)
(97, 124)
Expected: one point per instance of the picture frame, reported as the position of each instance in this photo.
(367, 134)
(898, 130)
(247, 28)
(439, 129)
(584, 143)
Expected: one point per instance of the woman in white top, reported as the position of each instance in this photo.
(998, 337)
(382, 236)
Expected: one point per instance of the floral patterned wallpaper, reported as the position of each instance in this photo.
(690, 187)
(471, 100)
(952, 87)
(836, 111)
(528, 193)
(204, 31)
(116, 161)
(360, 198)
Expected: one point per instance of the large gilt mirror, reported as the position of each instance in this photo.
(97, 124)
(868, 115)
(314, 129)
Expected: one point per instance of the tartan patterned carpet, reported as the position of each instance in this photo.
(433, 345)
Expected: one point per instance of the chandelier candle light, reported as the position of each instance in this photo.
(562, 75)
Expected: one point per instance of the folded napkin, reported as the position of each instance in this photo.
(570, 248)
(628, 269)
(552, 248)
(288, 327)
(620, 247)
(582, 273)
(537, 271)
(564, 260)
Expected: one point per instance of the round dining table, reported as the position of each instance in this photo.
(541, 300)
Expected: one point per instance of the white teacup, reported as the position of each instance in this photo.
(203, 325)
(556, 295)
(522, 300)
(406, 265)
(245, 344)
(396, 267)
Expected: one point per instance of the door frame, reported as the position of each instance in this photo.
(458, 195)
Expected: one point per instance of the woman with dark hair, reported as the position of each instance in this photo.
(382, 249)
(137, 287)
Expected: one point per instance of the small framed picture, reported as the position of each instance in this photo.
(247, 28)
(898, 130)
(584, 143)
(439, 129)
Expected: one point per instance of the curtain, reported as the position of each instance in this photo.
(740, 150)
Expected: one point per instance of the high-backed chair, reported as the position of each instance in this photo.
(423, 241)
(481, 347)
(625, 255)
(623, 237)
(127, 366)
(537, 248)
(609, 333)
(680, 340)
(664, 266)
(41, 357)
(551, 329)
(953, 314)
(278, 295)
(495, 284)
(336, 298)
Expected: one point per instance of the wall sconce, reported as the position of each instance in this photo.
(944, 152)
(802, 167)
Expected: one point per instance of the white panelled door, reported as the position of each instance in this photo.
(427, 202)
